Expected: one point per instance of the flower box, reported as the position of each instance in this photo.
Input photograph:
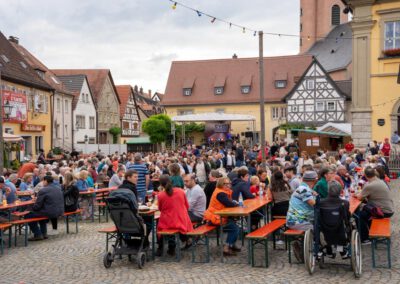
(392, 52)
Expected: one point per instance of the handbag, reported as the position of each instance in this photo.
(374, 211)
(69, 200)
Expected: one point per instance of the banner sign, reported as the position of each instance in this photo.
(33, 127)
(19, 111)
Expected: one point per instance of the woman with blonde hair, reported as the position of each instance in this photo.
(26, 185)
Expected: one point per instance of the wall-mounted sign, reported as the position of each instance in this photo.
(18, 103)
(221, 128)
(32, 127)
(315, 141)
(381, 121)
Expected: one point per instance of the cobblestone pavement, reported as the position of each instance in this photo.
(78, 259)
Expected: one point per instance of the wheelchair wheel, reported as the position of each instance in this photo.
(107, 260)
(141, 259)
(356, 255)
(309, 257)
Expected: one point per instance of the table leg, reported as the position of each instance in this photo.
(153, 237)
(222, 242)
(248, 242)
(91, 204)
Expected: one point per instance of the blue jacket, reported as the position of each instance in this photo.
(50, 201)
(241, 186)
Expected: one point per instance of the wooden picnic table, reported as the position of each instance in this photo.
(249, 206)
(354, 204)
(91, 191)
(15, 205)
(25, 193)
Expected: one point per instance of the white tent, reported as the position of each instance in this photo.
(340, 128)
(11, 137)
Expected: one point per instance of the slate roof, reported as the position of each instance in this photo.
(335, 51)
(36, 64)
(74, 84)
(15, 68)
(96, 79)
(345, 87)
(237, 71)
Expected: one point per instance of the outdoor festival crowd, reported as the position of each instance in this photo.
(190, 184)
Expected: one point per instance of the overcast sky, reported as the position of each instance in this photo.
(138, 39)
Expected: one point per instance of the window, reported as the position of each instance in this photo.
(83, 97)
(335, 17)
(66, 130)
(275, 113)
(185, 111)
(294, 109)
(23, 64)
(91, 122)
(301, 27)
(80, 122)
(301, 41)
(218, 90)
(187, 91)
(87, 98)
(392, 35)
(5, 58)
(283, 112)
(40, 73)
(330, 106)
(319, 106)
(66, 106)
(245, 89)
(58, 105)
(301, 12)
(280, 84)
(38, 143)
(310, 84)
(40, 103)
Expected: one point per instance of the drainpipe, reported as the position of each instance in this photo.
(51, 117)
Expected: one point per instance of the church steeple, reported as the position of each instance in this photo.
(317, 18)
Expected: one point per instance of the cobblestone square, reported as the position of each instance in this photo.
(78, 259)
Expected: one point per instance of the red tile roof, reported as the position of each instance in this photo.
(96, 78)
(15, 68)
(37, 64)
(124, 91)
(238, 72)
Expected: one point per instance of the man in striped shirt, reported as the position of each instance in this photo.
(143, 176)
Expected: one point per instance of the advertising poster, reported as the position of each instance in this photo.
(19, 112)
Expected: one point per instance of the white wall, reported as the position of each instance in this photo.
(105, 148)
(87, 110)
(62, 115)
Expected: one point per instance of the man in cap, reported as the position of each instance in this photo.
(300, 215)
(301, 212)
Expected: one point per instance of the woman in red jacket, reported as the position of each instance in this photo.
(173, 205)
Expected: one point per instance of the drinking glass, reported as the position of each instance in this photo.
(140, 201)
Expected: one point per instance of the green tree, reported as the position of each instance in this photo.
(115, 131)
(157, 127)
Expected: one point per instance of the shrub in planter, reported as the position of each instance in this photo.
(392, 52)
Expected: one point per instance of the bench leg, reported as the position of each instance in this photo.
(193, 251)
(107, 242)
(17, 227)
(289, 244)
(10, 236)
(274, 240)
(76, 223)
(388, 253)
(1, 240)
(207, 249)
(266, 252)
(178, 247)
(373, 253)
(251, 252)
(26, 235)
(67, 223)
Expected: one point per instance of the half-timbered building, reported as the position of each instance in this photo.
(130, 120)
(316, 98)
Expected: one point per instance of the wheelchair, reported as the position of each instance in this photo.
(339, 233)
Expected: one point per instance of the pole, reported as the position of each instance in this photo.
(1, 130)
(262, 101)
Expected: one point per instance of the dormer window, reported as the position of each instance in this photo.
(23, 64)
(187, 91)
(218, 90)
(5, 58)
(280, 84)
(245, 89)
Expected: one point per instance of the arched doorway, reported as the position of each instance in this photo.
(395, 118)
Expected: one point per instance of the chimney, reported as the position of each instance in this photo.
(141, 90)
(135, 88)
(234, 56)
(13, 39)
(149, 93)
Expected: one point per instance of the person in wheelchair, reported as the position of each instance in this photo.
(334, 222)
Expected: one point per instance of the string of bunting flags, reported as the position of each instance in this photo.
(252, 31)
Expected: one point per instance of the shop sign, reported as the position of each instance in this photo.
(33, 127)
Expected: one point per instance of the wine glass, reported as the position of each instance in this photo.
(150, 198)
(140, 201)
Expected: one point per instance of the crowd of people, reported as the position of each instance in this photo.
(192, 183)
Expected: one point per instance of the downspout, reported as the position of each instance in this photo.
(51, 118)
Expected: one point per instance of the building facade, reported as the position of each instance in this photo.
(316, 99)
(105, 97)
(130, 120)
(232, 86)
(376, 103)
(84, 123)
(30, 98)
(61, 100)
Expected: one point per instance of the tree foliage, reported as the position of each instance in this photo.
(190, 128)
(115, 131)
(157, 127)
